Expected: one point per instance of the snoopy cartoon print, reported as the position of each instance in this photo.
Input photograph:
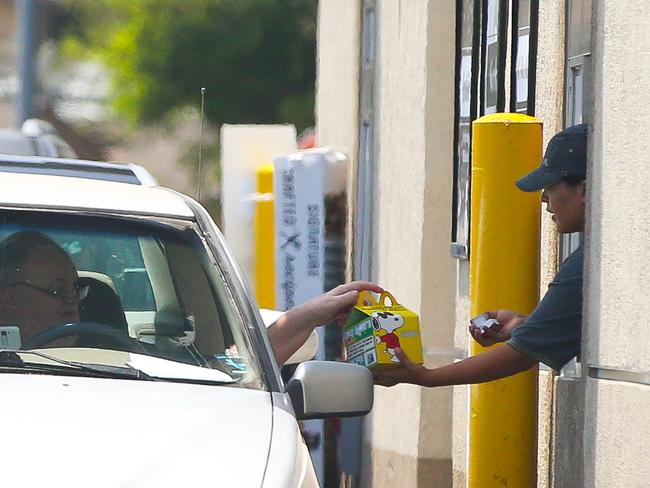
(388, 322)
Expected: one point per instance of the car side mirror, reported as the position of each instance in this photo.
(321, 389)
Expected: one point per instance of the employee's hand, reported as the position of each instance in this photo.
(407, 372)
(508, 321)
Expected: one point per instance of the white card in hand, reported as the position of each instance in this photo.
(483, 322)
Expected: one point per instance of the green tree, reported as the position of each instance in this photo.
(256, 58)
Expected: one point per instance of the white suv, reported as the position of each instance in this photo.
(167, 379)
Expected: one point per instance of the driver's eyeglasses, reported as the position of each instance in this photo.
(77, 293)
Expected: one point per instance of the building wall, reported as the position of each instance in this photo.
(593, 432)
(549, 108)
(439, 269)
(414, 110)
(337, 85)
(617, 422)
(408, 435)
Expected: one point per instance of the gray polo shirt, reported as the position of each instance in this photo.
(551, 334)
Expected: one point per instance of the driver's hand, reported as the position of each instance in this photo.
(336, 304)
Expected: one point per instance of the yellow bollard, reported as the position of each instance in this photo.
(504, 271)
(264, 239)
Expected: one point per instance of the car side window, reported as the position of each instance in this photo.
(120, 259)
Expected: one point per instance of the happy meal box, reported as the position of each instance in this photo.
(374, 329)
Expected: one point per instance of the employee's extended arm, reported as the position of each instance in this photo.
(500, 362)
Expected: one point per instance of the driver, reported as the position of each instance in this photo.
(38, 284)
(39, 290)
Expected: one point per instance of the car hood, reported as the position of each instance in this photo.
(71, 431)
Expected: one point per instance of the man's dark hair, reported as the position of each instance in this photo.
(16, 249)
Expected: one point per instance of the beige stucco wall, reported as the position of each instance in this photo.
(619, 266)
(617, 437)
(337, 84)
(617, 422)
(438, 288)
(549, 105)
(414, 115)
(549, 108)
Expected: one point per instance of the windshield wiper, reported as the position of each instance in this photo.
(14, 360)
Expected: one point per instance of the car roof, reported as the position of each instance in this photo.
(125, 173)
(28, 190)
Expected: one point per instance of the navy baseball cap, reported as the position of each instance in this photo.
(566, 155)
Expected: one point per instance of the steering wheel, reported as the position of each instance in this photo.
(96, 334)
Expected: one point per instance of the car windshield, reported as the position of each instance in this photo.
(122, 292)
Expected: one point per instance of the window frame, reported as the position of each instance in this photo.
(480, 52)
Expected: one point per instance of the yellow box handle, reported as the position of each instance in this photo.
(366, 299)
(387, 294)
